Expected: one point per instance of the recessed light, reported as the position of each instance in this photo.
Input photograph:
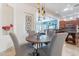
(66, 9)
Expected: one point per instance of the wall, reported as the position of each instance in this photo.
(5, 42)
(7, 14)
(0, 20)
(6, 18)
(20, 11)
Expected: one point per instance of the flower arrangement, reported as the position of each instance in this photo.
(7, 28)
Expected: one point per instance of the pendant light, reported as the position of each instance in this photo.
(41, 11)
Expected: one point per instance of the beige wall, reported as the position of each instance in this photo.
(0, 20)
(6, 18)
(7, 14)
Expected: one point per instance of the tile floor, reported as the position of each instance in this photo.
(68, 50)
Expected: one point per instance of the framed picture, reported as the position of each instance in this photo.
(29, 22)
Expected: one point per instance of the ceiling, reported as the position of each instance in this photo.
(58, 8)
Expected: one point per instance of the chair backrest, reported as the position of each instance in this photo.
(56, 44)
(31, 33)
(50, 33)
(15, 42)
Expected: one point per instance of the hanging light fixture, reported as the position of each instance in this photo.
(38, 9)
(41, 11)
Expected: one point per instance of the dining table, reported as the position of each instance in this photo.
(38, 41)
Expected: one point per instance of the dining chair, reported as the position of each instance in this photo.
(31, 33)
(55, 46)
(21, 50)
(50, 34)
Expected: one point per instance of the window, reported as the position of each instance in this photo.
(47, 23)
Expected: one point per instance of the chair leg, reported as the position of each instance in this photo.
(35, 52)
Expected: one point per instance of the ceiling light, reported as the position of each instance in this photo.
(66, 9)
(41, 11)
